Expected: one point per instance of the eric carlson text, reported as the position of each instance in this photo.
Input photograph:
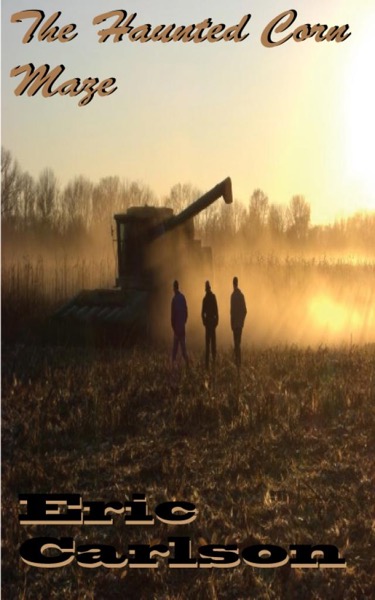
(70, 509)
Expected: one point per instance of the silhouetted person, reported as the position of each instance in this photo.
(237, 318)
(179, 315)
(210, 318)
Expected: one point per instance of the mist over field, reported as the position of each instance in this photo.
(289, 301)
(299, 302)
(304, 284)
(278, 451)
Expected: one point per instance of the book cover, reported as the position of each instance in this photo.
(188, 308)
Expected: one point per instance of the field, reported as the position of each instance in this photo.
(281, 453)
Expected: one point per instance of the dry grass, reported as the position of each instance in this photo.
(291, 299)
(33, 287)
(284, 455)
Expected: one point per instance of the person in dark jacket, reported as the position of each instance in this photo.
(210, 318)
(179, 315)
(237, 318)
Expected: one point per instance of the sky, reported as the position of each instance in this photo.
(296, 118)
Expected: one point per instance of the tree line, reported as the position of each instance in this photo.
(42, 210)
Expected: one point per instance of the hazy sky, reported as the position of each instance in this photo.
(292, 119)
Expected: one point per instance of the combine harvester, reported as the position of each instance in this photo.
(154, 247)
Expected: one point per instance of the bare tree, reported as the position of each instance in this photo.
(47, 197)
(77, 203)
(258, 209)
(27, 201)
(239, 215)
(181, 195)
(137, 194)
(10, 184)
(256, 219)
(298, 214)
(276, 220)
(106, 199)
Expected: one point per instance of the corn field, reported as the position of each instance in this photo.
(281, 452)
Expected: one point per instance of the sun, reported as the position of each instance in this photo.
(333, 319)
(360, 115)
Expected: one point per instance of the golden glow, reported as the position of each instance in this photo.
(333, 317)
(360, 114)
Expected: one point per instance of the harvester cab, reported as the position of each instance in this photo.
(154, 247)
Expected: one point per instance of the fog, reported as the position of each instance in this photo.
(301, 299)
(314, 311)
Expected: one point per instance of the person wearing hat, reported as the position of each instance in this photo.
(179, 315)
(238, 313)
(210, 318)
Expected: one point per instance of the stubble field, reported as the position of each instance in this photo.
(282, 453)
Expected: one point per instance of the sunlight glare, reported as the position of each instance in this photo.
(360, 114)
(333, 317)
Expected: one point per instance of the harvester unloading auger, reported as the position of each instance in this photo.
(154, 247)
